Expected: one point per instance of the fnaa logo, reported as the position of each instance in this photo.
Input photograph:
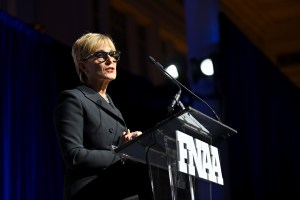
(194, 155)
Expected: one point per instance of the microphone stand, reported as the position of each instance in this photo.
(161, 68)
(176, 99)
(175, 102)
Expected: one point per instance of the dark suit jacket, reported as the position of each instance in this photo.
(87, 127)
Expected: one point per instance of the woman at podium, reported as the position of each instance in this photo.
(89, 126)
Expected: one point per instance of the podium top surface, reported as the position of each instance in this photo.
(192, 122)
(214, 129)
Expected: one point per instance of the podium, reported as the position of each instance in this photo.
(159, 148)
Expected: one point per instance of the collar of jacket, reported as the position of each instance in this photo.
(97, 99)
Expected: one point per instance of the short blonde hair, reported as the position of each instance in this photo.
(86, 45)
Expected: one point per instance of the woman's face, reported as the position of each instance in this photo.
(101, 66)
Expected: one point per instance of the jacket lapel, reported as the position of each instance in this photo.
(97, 99)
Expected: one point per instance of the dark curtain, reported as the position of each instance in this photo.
(263, 106)
(30, 164)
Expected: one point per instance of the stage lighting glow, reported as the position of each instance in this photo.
(172, 70)
(207, 67)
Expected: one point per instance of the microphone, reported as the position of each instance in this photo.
(174, 102)
(177, 96)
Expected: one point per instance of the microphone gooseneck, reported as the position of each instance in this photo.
(161, 68)
(176, 99)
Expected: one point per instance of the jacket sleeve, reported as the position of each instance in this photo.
(68, 119)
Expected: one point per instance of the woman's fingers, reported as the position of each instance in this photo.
(127, 136)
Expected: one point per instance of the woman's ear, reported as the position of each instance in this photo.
(82, 66)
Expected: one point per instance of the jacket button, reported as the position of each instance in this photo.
(111, 130)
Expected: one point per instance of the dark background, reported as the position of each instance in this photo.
(254, 98)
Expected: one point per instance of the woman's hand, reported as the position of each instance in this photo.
(128, 136)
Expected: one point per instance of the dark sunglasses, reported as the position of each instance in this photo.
(102, 56)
